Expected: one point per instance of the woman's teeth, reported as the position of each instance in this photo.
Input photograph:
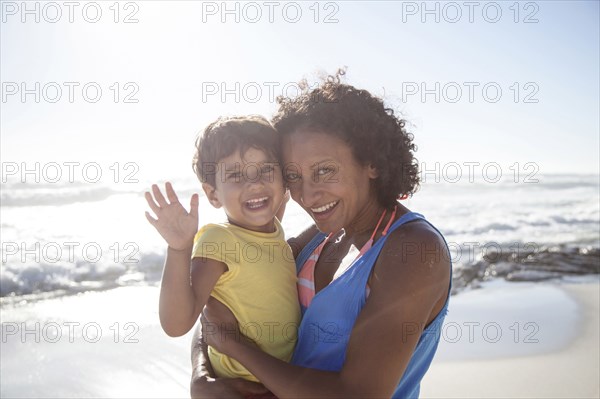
(324, 208)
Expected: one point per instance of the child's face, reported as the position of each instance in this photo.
(250, 189)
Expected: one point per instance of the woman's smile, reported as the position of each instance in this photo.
(327, 181)
(323, 212)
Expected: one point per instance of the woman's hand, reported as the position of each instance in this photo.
(205, 385)
(173, 222)
(220, 328)
(233, 388)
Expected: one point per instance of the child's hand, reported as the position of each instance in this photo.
(173, 222)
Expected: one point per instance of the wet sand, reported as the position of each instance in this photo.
(503, 340)
(564, 363)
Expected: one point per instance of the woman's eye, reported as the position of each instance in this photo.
(324, 171)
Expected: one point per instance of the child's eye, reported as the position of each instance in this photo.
(267, 169)
(234, 176)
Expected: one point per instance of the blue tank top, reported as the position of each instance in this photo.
(326, 325)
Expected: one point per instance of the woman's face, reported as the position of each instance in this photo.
(325, 178)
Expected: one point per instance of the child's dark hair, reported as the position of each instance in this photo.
(229, 134)
(376, 136)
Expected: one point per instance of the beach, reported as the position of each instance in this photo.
(497, 101)
(558, 360)
(96, 344)
(79, 306)
(504, 340)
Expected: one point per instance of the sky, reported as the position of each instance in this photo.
(513, 84)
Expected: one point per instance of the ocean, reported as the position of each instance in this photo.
(64, 238)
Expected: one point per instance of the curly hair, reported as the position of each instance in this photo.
(229, 134)
(375, 134)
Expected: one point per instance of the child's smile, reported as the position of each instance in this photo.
(250, 189)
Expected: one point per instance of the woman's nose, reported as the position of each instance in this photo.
(310, 193)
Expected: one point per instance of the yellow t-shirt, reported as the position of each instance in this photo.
(259, 288)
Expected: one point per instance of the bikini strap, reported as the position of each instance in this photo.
(389, 223)
(377, 227)
(308, 250)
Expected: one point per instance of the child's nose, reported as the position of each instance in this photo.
(255, 183)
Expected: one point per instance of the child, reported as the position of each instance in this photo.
(245, 263)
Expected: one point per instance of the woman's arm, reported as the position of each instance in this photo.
(408, 289)
(204, 383)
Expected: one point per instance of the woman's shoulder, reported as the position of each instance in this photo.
(413, 269)
(415, 253)
(418, 235)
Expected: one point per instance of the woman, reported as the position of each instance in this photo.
(374, 282)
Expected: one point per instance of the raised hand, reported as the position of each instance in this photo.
(173, 222)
